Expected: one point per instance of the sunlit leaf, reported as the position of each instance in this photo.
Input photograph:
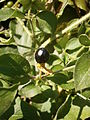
(80, 109)
(73, 44)
(82, 72)
(30, 91)
(7, 13)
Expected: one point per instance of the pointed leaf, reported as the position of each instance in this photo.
(82, 72)
(7, 13)
(79, 110)
(7, 96)
(25, 111)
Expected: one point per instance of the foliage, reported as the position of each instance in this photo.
(63, 28)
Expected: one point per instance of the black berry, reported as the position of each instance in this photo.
(41, 55)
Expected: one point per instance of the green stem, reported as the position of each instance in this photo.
(80, 50)
(76, 23)
(66, 29)
(69, 68)
(81, 96)
(16, 4)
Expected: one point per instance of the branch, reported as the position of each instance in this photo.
(76, 23)
(84, 18)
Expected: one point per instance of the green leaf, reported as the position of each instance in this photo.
(58, 78)
(81, 4)
(46, 92)
(64, 108)
(82, 29)
(53, 58)
(26, 4)
(30, 91)
(46, 22)
(57, 47)
(7, 13)
(40, 4)
(69, 85)
(86, 93)
(73, 44)
(17, 110)
(57, 67)
(73, 113)
(80, 109)
(43, 107)
(85, 112)
(14, 68)
(82, 72)
(24, 111)
(23, 40)
(84, 40)
(4, 83)
(8, 49)
(63, 41)
(7, 96)
(8, 113)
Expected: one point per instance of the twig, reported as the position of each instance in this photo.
(76, 23)
(81, 96)
(66, 29)
(80, 50)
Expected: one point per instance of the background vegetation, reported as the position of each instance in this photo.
(63, 28)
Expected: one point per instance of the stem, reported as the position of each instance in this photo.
(21, 86)
(81, 96)
(69, 68)
(80, 50)
(76, 23)
(66, 29)
(16, 4)
(46, 43)
(65, 69)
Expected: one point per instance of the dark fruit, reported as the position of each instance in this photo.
(41, 55)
